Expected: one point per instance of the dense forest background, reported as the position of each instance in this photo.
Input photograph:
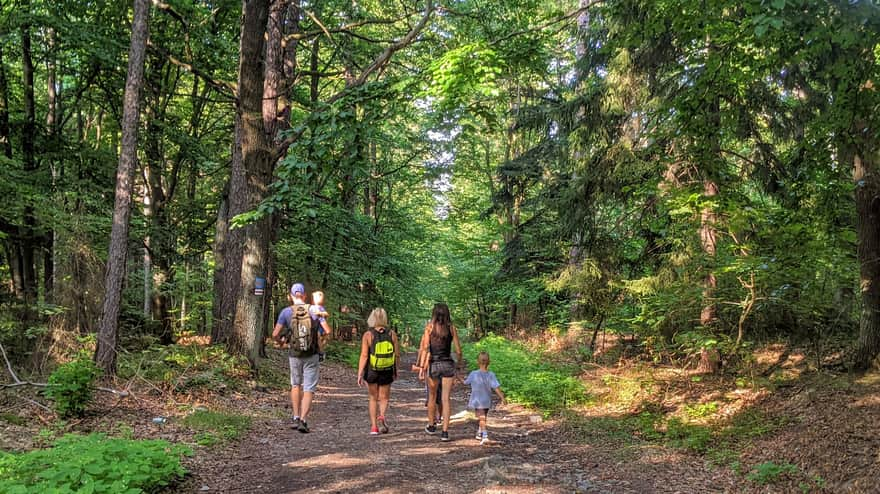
(698, 175)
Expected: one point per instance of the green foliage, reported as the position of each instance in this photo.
(93, 464)
(184, 366)
(71, 386)
(702, 410)
(770, 472)
(216, 427)
(344, 352)
(12, 418)
(528, 377)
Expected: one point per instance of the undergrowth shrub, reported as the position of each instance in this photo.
(93, 464)
(346, 353)
(216, 427)
(528, 377)
(185, 366)
(70, 387)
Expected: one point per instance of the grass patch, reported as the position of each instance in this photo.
(13, 419)
(93, 463)
(528, 377)
(770, 472)
(720, 443)
(216, 427)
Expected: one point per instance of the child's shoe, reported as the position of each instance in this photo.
(382, 425)
(444, 436)
(431, 429)
(484, 439)
(374, 431)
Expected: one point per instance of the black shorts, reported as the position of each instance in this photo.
(442, 368)
(379, 377)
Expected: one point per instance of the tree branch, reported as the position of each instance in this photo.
(541, 27)
(9, 366)
(224, 87)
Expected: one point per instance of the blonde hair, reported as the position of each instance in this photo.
(378, 318)
(483, 358)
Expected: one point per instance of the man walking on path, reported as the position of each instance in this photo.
(303, 324)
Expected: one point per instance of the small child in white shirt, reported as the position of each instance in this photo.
(483, 382)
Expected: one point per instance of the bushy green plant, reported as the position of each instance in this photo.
(527, 377)
(71, 386)
(769, 472)
(346, 353)
(92, 464)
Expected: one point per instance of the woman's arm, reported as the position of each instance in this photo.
(423, 351)
(457, 345)
(396, 352)
(365, 350)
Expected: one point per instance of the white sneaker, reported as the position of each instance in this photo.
(484, 439)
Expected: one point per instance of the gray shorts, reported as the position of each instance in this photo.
(304, 372)
(441, 368)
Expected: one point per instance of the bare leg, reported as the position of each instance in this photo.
(306, 403)
(295, 398)
(482, 423)
(384, 397)
(432, 402)
(374, 395)
(447, 407)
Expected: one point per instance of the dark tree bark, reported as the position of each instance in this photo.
(866, 175)
(221, 233)
(5, 134)
(54, 140)
(28, 138)
(231, 262)
(108, 334)
(257, 162)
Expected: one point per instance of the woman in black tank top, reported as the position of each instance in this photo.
(437, 365)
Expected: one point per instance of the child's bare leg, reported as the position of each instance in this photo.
(483, 422)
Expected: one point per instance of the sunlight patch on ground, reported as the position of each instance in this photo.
(330, 461)
(867, 401)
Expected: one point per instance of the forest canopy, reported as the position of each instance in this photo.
(698, 175)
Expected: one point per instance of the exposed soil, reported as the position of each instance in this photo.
(525, 454)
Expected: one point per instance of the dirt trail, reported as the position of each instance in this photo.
(339, 455)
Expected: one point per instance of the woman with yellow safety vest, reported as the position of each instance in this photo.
(377, 367)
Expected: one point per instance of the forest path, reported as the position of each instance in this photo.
(339, 455)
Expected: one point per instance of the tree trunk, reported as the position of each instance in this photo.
(231, 266)
(256, 158)
(105, 354)
(28, 138)
(52, 125)
(708, 242)
(5, 134)
(221, 232)
(866, 175)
